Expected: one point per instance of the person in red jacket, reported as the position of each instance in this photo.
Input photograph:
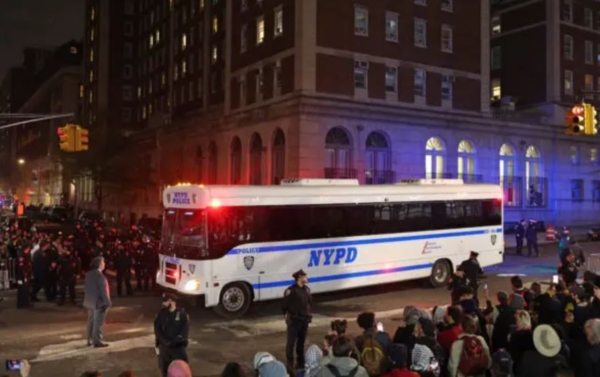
(451, 329)
(398, 361)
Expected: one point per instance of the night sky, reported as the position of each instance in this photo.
(36, 23)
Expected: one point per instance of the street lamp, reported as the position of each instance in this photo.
(21, 161)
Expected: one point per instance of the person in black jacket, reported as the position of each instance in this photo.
(296, 308)
(519, 235)
(123, 267)
(171, 330)
(567, 269)
(473, 273)
(68, 269)
(504, 319)
(456, 284)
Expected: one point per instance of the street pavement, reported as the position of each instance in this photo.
(52, 337)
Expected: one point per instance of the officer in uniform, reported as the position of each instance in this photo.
(23, 276)
(137, 251)
(171, 329)
(68, 268)
(519, 235)
(297, 303)
(123, 267)
(473, 273)
(149, 265)
(456, 284)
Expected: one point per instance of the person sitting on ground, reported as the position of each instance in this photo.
(312, 360)
(398, 362)
(328, 342)
(449, 332)
(266, 365)
(427, 355)
(366, 321)
(339, 326)
(233, 370)
(342, 364)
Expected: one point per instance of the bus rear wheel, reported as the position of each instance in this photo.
(235, 300)
(440, 273)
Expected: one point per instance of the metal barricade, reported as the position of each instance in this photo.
(8, 273)
(593, 263)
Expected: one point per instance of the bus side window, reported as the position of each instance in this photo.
(491, 212)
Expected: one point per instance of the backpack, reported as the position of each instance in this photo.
(373, 357)
(473, 358)
(336, 373)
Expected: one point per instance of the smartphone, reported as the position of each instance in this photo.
(380, 326)
(14, 365)
(555, 279)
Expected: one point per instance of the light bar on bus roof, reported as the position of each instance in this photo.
(318, 182)
(431, 182)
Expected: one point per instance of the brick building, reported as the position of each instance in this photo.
(250, 91)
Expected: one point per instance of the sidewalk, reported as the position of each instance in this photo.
(580, 234)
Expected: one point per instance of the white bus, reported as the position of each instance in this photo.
(237, 244)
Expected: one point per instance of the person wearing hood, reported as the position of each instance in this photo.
(266, 365)
(427, 355)
(312, 360)
(398, 362)
(405, 332)
(342, 364)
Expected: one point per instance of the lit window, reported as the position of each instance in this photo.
(151, 41)
(91, 55)
(183, 42)
(420, 77)
(215, 54)
(447, 5)
(496, 25)
(361, 21)
(567, 11)
(144, 112)
(183, 68)
(91, 75)
(81, 91)
(447, 40)
(420, 32)
(361, 71)
(244, 38)
(446, 87)
(496, 57)
(92, 34)
(176, 72)
(139, 92)
(391, 27)
(215, 24)
(260, 30)
(278, 21)
(391, 79)
(568, 47)
(157, 36)
(150, 87)
(91, 97)
(594, 156)
(589, 52)
(163, 79)
(93, 14)
(496, 89)
(589, 18)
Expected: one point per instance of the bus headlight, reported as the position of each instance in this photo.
(192, 286)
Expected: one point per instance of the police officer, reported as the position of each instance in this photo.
(123, 267)
(149, 266)
(472, 272)
(23, 276)
(519, 235)
(171, 329)
(456, 284)
(137, 254)
(531, 236)
(52, 277)
(568, 269)
(68, 268)
(297, 303)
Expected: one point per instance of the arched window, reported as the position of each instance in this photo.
(213, 163)
(235, 177)
(509, 183)
(199, 165)
(256, 151)
(533, 177)
(466, 161)
(338, 154)
(278, 157)
(434, 158)
(378, 161)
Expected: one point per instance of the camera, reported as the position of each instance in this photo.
(14, 365)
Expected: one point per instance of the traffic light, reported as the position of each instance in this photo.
(66, 136)
(590, 120)
(81, 139)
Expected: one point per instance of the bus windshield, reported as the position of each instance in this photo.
(184, 234)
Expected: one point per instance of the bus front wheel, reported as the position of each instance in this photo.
(235, 300)
(440, 273)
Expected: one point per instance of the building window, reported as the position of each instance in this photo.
(589, 85)
(244, 38)
(391, 27)
(183, 42)
(243, 91)
(235, 176)
(215, 54)
(420, 32)
(91, 75)
(128, 28)
(127, 71)
(126, 114)
(568, 83)
(568, 47)
(278, 78)
(378, 160)
(466, 161)
(533, 173)
(596, 190)
(338, 154)
(127, 50)
(447, 5)
(589, 52)
(574, 155)
(496, 57)
(260, 83)
(588, 18)
(420, 78)
(260, 30)
(577, 190)
(92, 34)
(496, 89)
(215, 24)
(447, 87)
(391, 79)
(278, 157)
(244, 5)
(594, 156)
(361, 21)
(496, 25)
(434, 158)
(567, 11)
(447, 42)
(127, 93)
(361, 71)
(278, 21)
(256, 163)
(91, 55)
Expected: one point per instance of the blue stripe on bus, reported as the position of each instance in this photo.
(350, 275)
(323, 245)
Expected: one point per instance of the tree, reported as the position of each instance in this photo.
(116, 163)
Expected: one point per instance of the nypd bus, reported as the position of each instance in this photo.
(233, 245)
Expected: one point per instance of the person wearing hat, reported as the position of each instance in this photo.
(171, 329)
(296, 307)
(545, 356)
(473, 272)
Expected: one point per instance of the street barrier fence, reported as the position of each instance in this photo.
(593, 263)
(8, 276)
